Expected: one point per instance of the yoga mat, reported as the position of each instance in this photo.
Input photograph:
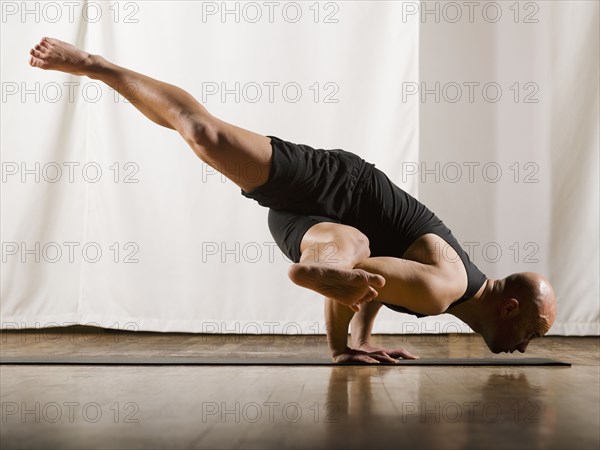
(254, 361)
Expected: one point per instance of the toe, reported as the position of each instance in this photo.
(367, 298)
(376, 280)
(370, 295)
(35, 62)
(48, 42)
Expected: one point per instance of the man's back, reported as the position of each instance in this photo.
(309, 186)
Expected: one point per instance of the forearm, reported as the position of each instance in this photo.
(362, 324)
(337, 320)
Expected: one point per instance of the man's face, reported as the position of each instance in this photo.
(512, 335)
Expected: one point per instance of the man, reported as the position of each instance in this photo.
(352, 233)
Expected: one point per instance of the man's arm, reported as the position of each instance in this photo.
(362, 325)
(330, 248)
(337, 320)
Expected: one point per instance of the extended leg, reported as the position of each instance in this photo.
(229, 149)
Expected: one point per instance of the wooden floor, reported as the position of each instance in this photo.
(87, 407)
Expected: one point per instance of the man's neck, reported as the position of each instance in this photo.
(472, 311)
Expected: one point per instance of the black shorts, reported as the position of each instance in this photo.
(308, 186)
(312, 182)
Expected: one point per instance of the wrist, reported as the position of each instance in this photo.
(358, 343)
(365, 346)
(338, 351)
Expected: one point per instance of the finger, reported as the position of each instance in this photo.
(384, 354)
(366, 359)
(386, 358)
(387, 354)
(380, 355)
(403, 353)
(408, 355)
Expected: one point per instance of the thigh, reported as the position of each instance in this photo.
(241, 155)
(289, 228)
(309, 181)
(334, 243)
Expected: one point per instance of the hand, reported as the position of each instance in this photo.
(353, 355)
(393, 353)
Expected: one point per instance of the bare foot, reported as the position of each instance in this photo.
(349, 287)
(52, 54)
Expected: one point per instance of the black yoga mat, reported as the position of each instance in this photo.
(254, 361)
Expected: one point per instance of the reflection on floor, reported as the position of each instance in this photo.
(294, 407)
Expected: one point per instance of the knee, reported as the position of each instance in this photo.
(200, 131)
(353, 243)
(361, 245)
(337, 243)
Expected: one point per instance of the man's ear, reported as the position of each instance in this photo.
(509, 308)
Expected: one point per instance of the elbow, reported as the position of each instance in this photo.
(438, 299)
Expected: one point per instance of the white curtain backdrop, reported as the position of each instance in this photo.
(109, 219)
(518, 151)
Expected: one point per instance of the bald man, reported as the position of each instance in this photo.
(353, 235)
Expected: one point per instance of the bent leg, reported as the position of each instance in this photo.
(335, 262)
(329, 252)
(229, 149)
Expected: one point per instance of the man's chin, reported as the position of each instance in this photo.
(495, 350)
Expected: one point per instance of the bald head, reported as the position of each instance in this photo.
(536, 298)
(516, 310)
